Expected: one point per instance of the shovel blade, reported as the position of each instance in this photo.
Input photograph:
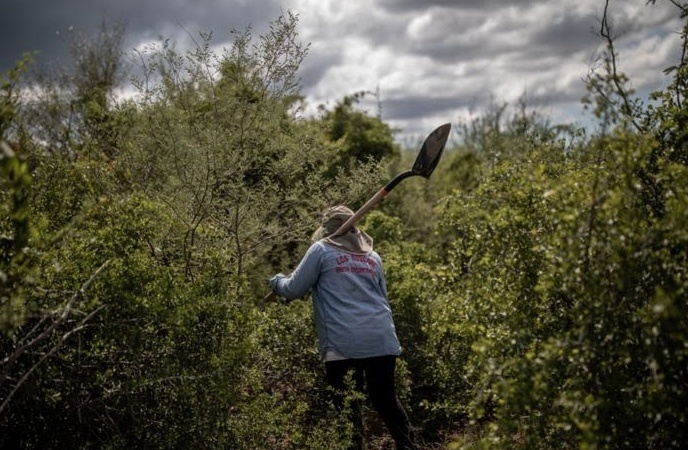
(431, 151)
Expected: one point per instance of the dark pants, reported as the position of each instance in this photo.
(378, 376)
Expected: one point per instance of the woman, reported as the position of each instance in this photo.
(353, 319)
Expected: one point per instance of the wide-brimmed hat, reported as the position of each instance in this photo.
(355, 240)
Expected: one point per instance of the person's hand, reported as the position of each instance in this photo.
(272, 295)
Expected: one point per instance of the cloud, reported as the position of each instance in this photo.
(43, 25)
(430, 61)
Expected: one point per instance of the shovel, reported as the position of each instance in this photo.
(426, 161)
(425, 164)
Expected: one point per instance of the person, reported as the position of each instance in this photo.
(353, 318)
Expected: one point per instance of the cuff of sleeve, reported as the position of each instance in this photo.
(274, 281)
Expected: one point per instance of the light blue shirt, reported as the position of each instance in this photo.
(349, 292)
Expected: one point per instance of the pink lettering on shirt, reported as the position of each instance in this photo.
(344, 263)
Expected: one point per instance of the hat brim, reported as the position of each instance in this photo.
(318, 234)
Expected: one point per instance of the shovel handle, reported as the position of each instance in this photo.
(374, 200)
(370, 204)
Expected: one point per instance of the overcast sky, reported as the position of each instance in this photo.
(432, 61)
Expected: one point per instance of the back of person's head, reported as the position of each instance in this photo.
(334, 217)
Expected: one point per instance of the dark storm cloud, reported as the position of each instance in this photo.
(410, 107)
(314, 68)
(463, 31)
(566, 37)
(42, 26)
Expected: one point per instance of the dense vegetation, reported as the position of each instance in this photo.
(538, 279)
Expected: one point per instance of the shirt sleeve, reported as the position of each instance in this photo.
(383, 278)
(302, 279)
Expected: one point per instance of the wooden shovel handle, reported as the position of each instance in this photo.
(272, 295)
(370, 204)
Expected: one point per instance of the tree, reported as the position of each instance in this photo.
(219, 144)
(361, 137)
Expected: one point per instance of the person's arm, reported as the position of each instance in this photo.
(302, 279)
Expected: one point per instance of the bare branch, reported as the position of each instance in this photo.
(28, 342)
(616, 78)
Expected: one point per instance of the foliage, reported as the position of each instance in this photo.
(569, 277)
(554, 275)
(17, 230)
